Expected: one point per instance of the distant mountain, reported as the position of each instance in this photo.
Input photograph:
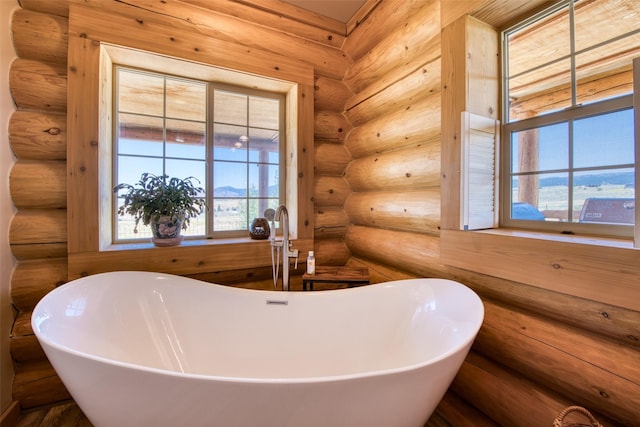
(228, 191)
(626, 178)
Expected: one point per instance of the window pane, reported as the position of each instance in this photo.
(140, 135)
(131, 168)
(264, 113)
(230, 108)
(548, 193)
(186, 100)
(262, 143)
(605, 196)
(230, 179)
(140, 93)
(186, 168)
(541, 149)
(230, 214)
(185, 139)
(605, 140)
(230, 142)
(624, 13)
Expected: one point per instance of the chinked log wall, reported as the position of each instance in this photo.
(538, 350)
(38, 233)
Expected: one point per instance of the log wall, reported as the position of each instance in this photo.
(539, 350)
(379, 137)
(38, 137)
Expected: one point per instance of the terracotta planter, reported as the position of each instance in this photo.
(167, 231)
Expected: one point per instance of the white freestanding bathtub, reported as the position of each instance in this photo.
(147, 349)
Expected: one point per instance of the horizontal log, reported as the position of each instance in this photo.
(617, 323)
(330, 222)
(402, 94)
(402, 128)
(331, 159)
(506, 397)
(379, 273)
(284, 17)
(26, 349)
(58, 8)
(40, 36)
(33, 251)
(37, 384)
(411, 252)
(387, 16)
(330, 126)
(603, 374)
(330, 191)
(454, 411)
(396, 210)
(32, 280)
(401, 47)
(37, 226)
(38, 85)
(330, 252)
(39, 184)
(38, 135)
(406, 169)
(330, 94)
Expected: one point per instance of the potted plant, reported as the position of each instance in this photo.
(166, 204)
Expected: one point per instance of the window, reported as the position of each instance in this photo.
(568, 136)
(229, 138)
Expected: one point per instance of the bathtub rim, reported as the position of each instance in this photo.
(465, 345)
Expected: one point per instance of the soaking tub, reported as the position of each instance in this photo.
(147, 349)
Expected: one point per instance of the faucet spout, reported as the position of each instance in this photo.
(282, 216)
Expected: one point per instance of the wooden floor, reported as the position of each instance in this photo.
(64, 415)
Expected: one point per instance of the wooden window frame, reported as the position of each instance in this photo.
(88, 145)
(599, 269)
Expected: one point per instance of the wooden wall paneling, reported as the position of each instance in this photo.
(331, 126)
(34, 226)
(38, 85)
(387, 16)
(40, 36)
(330, 191)
(469, 83)
(36, 384)
(506, 397)
(409, 251)
(24, 345)
(331, 222)
(379, 272)
(454, 411)
(614, 322)
(331, 252)
(406, 44)
(405, 210)
(539, 263)
(140, 29)
(362, 14)
(600, 374)
(305, 148)
(330, 94)
(406, 127)
(327, 60)
(401, 94)
(39, 184)
(292, 12)
(56, 8)
(82, 146)
(33, 279)
(403, 170)
(331, 159)
(38, 135)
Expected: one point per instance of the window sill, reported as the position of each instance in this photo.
(191, 257)
(599, 269)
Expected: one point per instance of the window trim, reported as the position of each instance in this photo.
(599, 269)
(90, 30)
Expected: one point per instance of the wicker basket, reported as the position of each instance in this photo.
(560, 422)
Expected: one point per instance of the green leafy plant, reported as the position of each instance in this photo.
(155, 196)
